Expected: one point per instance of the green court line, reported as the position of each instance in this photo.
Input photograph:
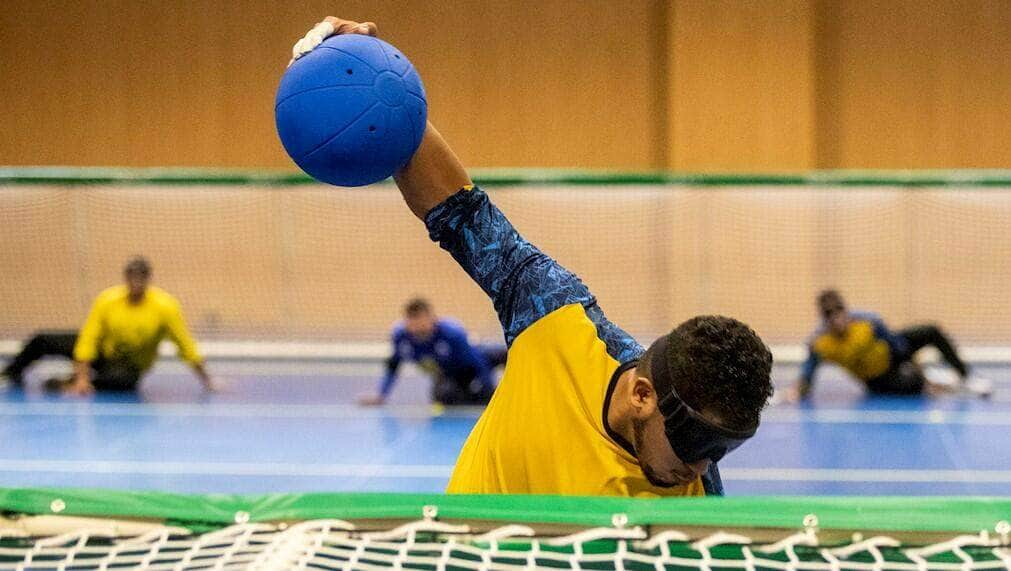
(512, 177)
(943, 514)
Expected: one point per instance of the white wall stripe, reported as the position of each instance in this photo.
(376, 351)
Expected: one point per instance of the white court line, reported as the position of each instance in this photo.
(866, 475)
(378, 351)
(335, 412)
(849, 416)
(340, 412)
(382, 471)
(227, 469)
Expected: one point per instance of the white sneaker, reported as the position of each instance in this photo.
(942, 377)
(983, 388)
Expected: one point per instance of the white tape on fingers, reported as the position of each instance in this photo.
(298, 49)
(324, 29)
(312, 38)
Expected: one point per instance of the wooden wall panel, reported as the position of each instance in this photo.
(912, 84)
(145, 82)
(741, 85)
(696, 85)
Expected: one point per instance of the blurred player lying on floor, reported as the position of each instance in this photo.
(119, 340)
(461, 372)
(861, 343)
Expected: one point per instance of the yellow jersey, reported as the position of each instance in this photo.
(867, 349)
(118, 330)
(545, 430)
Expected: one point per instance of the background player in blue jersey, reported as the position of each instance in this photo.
(461, 373)
(861, 343)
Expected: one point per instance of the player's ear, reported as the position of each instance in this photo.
(643, 397)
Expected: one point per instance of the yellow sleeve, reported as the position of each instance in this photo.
(180, 335)
(86, 348)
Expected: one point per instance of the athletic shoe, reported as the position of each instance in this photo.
(942, 377)
(983, 388)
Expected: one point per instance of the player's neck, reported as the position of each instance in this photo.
(619, 413)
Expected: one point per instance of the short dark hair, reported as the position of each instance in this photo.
(827, 297)
(138, 265)
(416, 306)
(720, 366)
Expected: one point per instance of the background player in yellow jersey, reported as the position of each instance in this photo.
(861, 343)
(581, 408)
(119, 340)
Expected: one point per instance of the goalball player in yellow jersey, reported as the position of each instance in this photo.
(581, 408)
(119, 340)
(883, 359)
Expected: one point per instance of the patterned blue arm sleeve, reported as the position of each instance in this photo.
(523, 283)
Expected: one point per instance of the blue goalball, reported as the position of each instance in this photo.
(352, 111)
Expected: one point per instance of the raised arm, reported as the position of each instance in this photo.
(433, 174)
(523, 283)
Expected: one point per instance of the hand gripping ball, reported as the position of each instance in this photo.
(352, 111)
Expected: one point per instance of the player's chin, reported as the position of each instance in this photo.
(670, 481)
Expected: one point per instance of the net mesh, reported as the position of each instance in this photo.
(429, 544)
(310, 263)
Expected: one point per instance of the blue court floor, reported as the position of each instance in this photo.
(286, 427)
